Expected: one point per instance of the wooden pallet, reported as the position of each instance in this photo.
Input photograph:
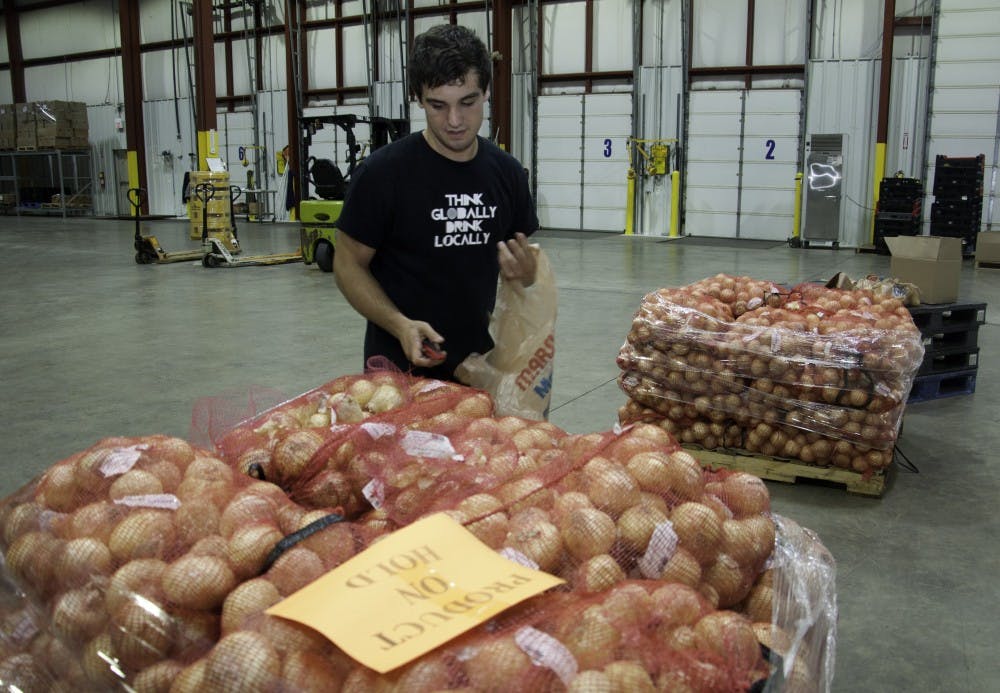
(988, 265)
(774, 469)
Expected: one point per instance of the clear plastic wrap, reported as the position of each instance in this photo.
(794, 610)
(831, 364)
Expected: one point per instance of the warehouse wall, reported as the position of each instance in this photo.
(738, 167)
(965, 111)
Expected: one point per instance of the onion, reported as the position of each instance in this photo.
(536, 537)
(588, 532)
(676, 605)
(477, 406)
(495, 660)
(77, 615)
(209, 469)
(628, 677)
(58, 491)
(135, 482)
(94, 662)
(198, 582)
(484, 517)
(524, 493)
(698, 528)
(295, 569)
(249, 546)
(145, 533)
(195, 521)
(728, 580)
(31, 560)
(139, 577)
(745, 494)
(592, 638)
(23, 518)
(384, 398)
(597, 574)
(590, 682)
(293, 454)
(334, 544)
(245, 509)
(247, 601)
(291, 636)
(308, 672)
(157, 678)
(759, 604)
(628, 606)
(610, 486)
(683, 568)
(362, 390)
(81, 559)
(636, 525)
(142, 634)
(731, 636)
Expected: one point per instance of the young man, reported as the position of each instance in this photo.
(430, 220)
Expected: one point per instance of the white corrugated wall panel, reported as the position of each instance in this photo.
(56, 31)
(104, 138)
(770, 157)
(965, 108)
(607, 124)
(712, 183)
(165, 174)
(560, 130)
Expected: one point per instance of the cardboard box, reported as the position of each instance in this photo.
(933, 263)
(988, 247)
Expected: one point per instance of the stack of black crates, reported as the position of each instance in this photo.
(950, 333)
(898, 210)
(957, 210)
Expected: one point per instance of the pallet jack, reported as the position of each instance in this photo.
(216, 254)
(147, 248)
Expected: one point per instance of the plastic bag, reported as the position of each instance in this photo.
(517, 372)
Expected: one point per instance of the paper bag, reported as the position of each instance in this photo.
(517, 372)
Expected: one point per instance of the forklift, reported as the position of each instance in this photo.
(317, 233)
(216, 253)
(148, 249)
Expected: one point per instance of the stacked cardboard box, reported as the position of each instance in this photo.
(24, 114)
(8, 127)
(61, 125)
(216, 209)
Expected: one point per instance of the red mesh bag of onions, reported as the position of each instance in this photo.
(639, 636)
(126, 554)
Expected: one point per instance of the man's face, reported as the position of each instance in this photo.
(454, 115)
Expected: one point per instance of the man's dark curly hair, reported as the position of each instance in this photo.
(444, 54)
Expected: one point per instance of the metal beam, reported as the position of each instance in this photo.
(204, 67)
(14, 54)
(503, 48)
(740, 70)
(135, 139)
(885, 77)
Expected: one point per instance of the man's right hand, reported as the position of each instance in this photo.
(412, 338)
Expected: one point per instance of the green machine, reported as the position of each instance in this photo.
(329, 184)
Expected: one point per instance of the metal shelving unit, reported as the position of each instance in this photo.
(30, 180)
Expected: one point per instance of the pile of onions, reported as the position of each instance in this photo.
(144, 557)
(812, 374)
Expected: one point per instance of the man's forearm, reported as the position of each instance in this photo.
(367, 297)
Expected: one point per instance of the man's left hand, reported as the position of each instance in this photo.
(517, 261)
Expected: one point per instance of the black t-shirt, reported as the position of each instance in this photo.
(434, 224)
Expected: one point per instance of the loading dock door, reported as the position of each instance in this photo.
(742, 153)
(582, 161)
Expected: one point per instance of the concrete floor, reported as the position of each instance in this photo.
(93, 345)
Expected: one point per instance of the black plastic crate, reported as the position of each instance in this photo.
(941, 385)
(948, 361)
(953, 189)
(948, 317)
(954, 215)
(951, 338)
(898, 206)
(944, 161)
(886, 215)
